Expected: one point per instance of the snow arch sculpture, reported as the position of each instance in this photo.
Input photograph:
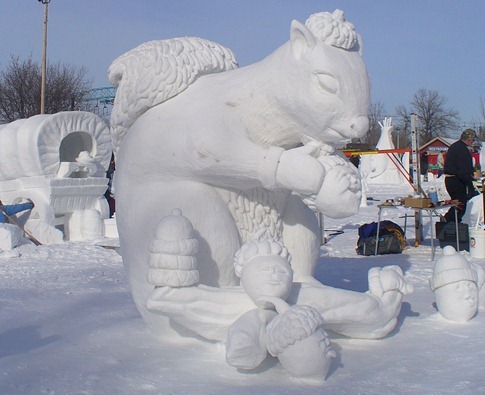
(31, 147)
(59, 161)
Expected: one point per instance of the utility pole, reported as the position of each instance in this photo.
(415, 153)
(415, 157)
(44, 57)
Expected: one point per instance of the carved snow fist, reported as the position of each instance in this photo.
(326, 182)
(299, 170)
(340, 193)
(388, 278)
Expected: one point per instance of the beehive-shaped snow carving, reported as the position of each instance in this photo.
(172, 253)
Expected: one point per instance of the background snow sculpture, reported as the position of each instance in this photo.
(58, 161)
(379, 169)
(237, 150)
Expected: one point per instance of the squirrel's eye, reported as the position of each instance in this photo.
(328, 83)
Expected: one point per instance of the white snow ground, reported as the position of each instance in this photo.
(68, 326)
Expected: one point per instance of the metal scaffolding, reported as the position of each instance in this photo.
(100, 101)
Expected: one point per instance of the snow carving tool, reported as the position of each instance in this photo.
(24, 231)
(108, 247)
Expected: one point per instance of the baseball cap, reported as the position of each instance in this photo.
(468, 134)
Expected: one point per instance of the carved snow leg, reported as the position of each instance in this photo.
(172, 253)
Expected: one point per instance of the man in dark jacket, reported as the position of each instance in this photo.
(424, 166)
(459, 173)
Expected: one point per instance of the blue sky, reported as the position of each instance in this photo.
(408, 44)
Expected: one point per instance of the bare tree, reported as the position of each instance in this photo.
(404, 128)
(20, 88)
(435, 119)
(376, 115)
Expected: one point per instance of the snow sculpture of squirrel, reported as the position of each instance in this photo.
(235, 150)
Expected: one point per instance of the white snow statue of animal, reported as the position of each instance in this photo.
(222, 151)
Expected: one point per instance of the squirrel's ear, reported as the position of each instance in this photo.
(302, 39)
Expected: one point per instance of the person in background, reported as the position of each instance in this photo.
(440, 162)
(12, 209)
(424, 166)
(109, 194)
(11, 233)
(355, 160)
(459, 174)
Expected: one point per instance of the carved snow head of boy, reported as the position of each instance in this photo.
(263, 265)
(454, 284)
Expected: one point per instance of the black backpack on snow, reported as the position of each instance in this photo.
(391, 239)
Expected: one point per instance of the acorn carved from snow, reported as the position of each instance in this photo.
(172, 253)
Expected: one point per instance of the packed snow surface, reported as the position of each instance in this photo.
(68, 325)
